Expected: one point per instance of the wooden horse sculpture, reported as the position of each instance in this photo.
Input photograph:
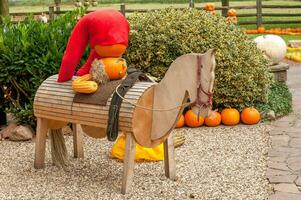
(148, 114)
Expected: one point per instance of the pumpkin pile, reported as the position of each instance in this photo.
(210, 7)
(232, 16)
(228, 117)
(276, 31)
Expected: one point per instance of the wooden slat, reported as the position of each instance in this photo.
(56, 97)
(81, 119)
(52, 101)
(54, 93)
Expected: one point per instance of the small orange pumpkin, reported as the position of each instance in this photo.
(261, 29)
(232, 13)
(180, 122)
(115, 67)
(250, 116)
(115, 50)
(192, 120)
(209, 6)
(214, 119)
(230, 116)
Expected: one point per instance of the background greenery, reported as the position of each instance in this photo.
(31, 51)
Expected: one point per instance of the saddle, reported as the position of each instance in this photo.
(101, 96)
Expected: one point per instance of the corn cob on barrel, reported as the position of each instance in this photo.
(83, 84)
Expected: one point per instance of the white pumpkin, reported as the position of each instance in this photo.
(273, 47)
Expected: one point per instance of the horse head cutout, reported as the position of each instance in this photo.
(190, 76)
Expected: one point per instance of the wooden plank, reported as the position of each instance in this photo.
(128, 166)
(281, 14)
(79, 119)
(282, 6)
(54, 110)
(282, 22)
(77, 141)
(53, 93)
(43, 101)
(46, 97)
(122, 113)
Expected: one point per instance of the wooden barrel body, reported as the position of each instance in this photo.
(54, 101)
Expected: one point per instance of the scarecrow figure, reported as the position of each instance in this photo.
(107, 33)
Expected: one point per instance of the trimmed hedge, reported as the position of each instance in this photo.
(157, 38)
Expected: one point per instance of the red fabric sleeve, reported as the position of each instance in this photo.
(74, 50)
(85, 69)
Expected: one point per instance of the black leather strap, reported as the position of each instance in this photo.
(133, 76)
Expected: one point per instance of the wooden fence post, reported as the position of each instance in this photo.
(225, 3)
(191, 4)
(258, 13)
(51, 12)
(122, 7)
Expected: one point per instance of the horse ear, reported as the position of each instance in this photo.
(211, 52)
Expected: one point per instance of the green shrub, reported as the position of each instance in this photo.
(279, 100)
(30, 51)
(159, 37)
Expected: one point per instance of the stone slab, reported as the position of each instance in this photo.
(285, 196)
(287, 187)
(282, 179)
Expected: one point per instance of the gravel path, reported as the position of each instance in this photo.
(214, 163)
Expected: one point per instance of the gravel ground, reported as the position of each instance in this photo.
(214, 163)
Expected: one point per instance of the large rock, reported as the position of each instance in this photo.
(7, 131)
(21, 133)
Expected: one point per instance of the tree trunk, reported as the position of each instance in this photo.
(4, 7)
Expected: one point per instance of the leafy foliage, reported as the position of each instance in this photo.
(157, 38)
(30, 51)
(279, 100)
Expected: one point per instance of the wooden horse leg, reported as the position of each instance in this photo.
(169, 158)
(128, 166)
(40, 145)
(77, 141)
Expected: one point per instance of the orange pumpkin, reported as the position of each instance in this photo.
(230, 116)
(192, 120)
(250, 116)
(213, 12)
(180, 122)
(214, 119)
(115, 50)
(209, 6)
(232, 13)
(115, 67)
(261, 29)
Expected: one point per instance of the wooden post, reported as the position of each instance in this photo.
(51, 12)
(122, 7)
(169, 158)
(258, 13)
(77, 141)
(57, 5)
(128, 163)
(191, 4)
(225, 3)
(41, 133)
(4, 8)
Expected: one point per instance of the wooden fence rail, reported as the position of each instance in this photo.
(259, 13)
